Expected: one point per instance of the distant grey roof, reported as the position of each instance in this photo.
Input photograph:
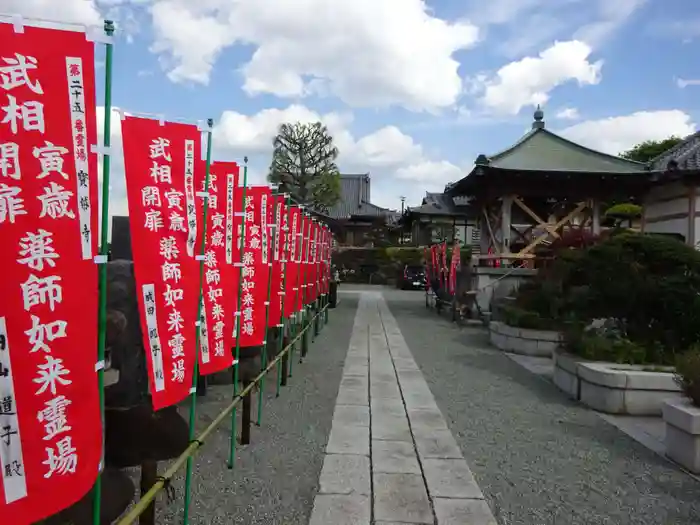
(686, 154)
(441, 204)
(355, 199)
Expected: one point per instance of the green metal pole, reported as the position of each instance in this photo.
(281, 326)
(198, 332)
(261, 389)
(232, 452)
(102, 268)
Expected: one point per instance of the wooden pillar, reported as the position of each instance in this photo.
(485, 237)
(506, 208)
(595, 211)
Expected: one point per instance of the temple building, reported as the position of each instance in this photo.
(525, 196)
(671, 205)
(354, 214)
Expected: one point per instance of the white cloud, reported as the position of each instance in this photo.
(686, 29)
(498, 12)
(567, 114)
(117, 182)
(69, 11)
(617, 134)
(610, 16)
(367, 52)
(684, 83)
(254, 133)
(528, 81)
(397, 163)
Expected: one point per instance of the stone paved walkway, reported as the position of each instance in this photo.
(391, 458)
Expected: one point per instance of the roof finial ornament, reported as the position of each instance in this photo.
(539, 118)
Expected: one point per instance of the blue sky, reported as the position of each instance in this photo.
(412, 91)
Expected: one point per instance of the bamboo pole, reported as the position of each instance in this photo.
(102, 268)
(194, 446)
(198, 328)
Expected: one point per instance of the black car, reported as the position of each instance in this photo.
(412, 278)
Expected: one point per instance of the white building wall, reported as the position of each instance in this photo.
(668, 216)
(678, 226)
(660, 209)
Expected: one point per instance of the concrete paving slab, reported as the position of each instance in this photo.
(356, 370)
(353, 395)
(341, 510)
(401, 497)
(348, 440)
(424, 421)
(345, 474)
(351, 415)
(394, 457)
(450, 478)
(387, 406)
(463, 512)
(440, 444)
(385, 390)
(391, 427)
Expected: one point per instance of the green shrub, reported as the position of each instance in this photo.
(688, 373)
(610, 345)
(380, 265)
(650, 282)
(521, 318)
(624, 211)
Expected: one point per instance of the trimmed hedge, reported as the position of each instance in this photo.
(648, 284)
(378, 265)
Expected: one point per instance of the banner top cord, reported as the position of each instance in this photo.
(93, 32)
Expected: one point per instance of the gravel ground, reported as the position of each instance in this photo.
(539, 458)
(275, 478)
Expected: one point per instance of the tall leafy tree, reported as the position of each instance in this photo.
(647, 150)
(303, 164)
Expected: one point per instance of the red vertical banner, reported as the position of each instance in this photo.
(292, 271)
(50, 422)
(326, 259)
(304, 262)
(256, 259)
(455, 264)
(220, 284)
(311, 267)
(443, 265)
(318, 246)
(159, 164)
(426, 267)
(278, 257)
(322, 262)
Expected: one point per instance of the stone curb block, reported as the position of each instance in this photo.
(523, 341)
(613, 388)
(683, 433)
